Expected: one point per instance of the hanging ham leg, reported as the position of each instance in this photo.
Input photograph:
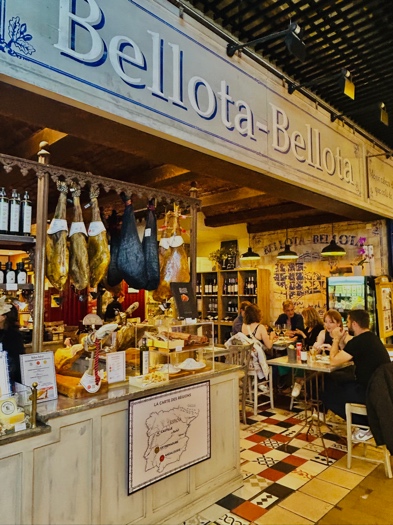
(175, 263)
(150, 249)
(56, 242)
(97, 244)
(79, 259)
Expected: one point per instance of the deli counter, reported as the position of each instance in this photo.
(106, 458)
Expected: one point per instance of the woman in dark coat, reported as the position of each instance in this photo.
(10, 338)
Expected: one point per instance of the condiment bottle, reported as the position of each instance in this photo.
(10, 273)
(144, 357)
(21, 274)
(4, 211)
(14, 213)
(26, 209)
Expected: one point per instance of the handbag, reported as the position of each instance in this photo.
(258, 362)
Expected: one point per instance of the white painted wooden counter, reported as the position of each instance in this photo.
(77, 473)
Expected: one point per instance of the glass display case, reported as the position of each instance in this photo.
(177, 349)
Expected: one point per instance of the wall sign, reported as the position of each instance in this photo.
(168, 432)
(230, 106)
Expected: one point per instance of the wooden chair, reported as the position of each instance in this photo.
(355, 408)
(241, 355)
(254, 393)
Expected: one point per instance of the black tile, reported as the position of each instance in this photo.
(281, 466)
(266, 433)
(267, 413)
(284, 424)
(230, 502)
(279, 490)
(289, 449)
(333, 437)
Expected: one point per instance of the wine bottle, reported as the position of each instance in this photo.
(4, 211)
(2, 278)
(10, 273)
(26, 210)
(21, 274)
(14, 211)
(144, 357)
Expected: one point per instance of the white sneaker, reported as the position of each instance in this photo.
(297, 388)
(264, 389)
(362, 434)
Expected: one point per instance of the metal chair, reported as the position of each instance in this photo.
(355, 408)
(241, 355)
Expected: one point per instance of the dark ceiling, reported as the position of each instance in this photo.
(338, 34)
(355, 35)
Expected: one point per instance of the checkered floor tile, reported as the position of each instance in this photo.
(279, 455)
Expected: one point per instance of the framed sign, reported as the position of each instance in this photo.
(168, 432)
(229, 260)
(185, 300)
(40, 368)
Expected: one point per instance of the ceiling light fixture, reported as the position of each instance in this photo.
(383, 114)
(333, 249)
(292, 38)
(287, 254)
(250, 255)
(344, 80)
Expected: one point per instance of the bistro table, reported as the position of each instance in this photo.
(312, 369)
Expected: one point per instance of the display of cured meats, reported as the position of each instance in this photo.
(173, 260)
(57, 256)
(131, 259)
(150, 249)
(79, 259)
(97, 244)
(114, 276)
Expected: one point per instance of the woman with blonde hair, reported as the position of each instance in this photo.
(313, 324)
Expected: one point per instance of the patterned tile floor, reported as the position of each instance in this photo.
(285, 484)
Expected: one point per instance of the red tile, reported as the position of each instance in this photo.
(273, 475)
(255, 438)
(270, 421)
(295, 460)
(306, 437)
(249, 511)
(335, 453)
(261, 449)
(281, 438)
(294, 421)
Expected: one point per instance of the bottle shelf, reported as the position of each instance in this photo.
(11, 287)
(16, 241)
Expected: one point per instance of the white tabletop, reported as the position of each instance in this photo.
(316, 366)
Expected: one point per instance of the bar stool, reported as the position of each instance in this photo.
(253, 391)
(241, 355)
(355, 408)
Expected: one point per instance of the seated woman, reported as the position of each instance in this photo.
(309, 336)
(252, 326)
(332, 319)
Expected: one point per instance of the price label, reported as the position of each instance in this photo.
(11, 286)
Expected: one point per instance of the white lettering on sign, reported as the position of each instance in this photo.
(307, 147)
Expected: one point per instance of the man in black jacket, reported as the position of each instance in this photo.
(367, 352)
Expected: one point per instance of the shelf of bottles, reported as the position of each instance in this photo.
(219, 295)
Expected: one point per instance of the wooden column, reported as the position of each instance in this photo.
(193, 235)
(41, 219)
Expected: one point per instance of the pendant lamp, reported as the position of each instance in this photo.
(287, 254)
(333, 249)
(250, 255)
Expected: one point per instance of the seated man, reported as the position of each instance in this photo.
(367, 353)
(290, 317)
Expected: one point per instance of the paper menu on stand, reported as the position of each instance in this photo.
(40, 368)
(116, 367)
(5, 386)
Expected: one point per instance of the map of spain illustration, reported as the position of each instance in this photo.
(167, 436)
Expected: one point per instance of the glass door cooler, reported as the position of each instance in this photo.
(347, 293)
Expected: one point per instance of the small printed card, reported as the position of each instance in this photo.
(116, 367)
(40, 368)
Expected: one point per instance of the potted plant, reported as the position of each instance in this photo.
(221, 254)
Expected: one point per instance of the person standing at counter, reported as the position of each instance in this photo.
(292, 319)
(10, 338)
(238, 322)
(114, 308)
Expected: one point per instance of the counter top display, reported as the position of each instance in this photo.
(64, 405)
